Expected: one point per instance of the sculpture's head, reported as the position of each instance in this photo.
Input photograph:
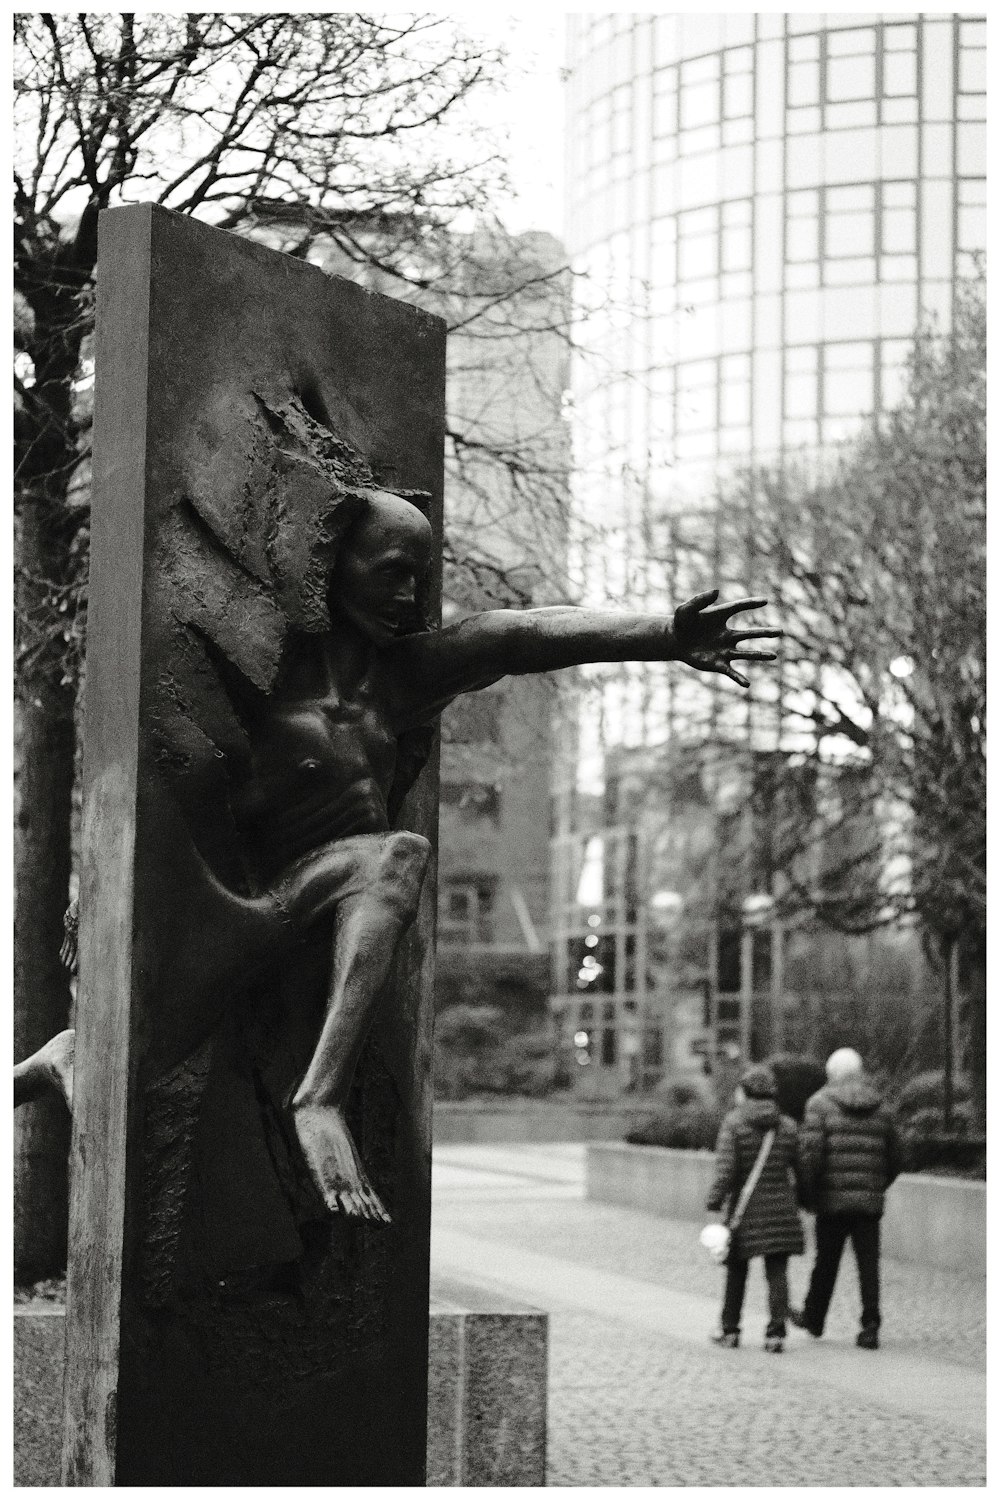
(381, 567)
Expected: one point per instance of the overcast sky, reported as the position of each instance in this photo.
(531, 109)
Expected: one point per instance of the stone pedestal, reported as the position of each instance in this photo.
(487, 1392)
(222, 1329)
(488, 1395)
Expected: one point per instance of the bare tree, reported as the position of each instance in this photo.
(878, 569)
(301, 125)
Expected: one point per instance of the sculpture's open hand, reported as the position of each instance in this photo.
(705, 641)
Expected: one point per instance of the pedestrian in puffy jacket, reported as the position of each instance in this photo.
(770, 1226)
(851, 1152)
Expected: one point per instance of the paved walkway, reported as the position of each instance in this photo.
(637, 1394)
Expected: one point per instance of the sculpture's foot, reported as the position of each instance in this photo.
(332, 1158)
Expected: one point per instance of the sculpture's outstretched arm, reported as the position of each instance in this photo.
(505, 642)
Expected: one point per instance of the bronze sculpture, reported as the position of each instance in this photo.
(312, 798)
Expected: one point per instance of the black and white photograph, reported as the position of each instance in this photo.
(499, 749)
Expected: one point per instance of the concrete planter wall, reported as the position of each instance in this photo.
(931, 1221)
(474, 1123)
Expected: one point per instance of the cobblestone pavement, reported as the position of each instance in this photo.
(637, 1395)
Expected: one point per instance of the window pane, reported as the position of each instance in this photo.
(800, 396)
(851, 271)
(697, 256)
(850, 234)
(739, 96)
(841, 198)
(899, 73)
(802, 273)
(802, 239)
(801, 47)
(847, 43)
(899, 230)
(699, 105)
(847, 356)
(972, 191)
(972, 229)
(803, 84)
(805, 357)
(899, 194)
(802, 204)
(900, 38)
(899, 111)
(665, 114)
(805, 121)
(898, 268)
(850, 116)
(735, 405)
(848, 393)
(702, 70)
(850, 78)
(737, 246)
(971, 151)
(736, 211)
(972, 70)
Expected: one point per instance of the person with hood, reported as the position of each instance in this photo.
(770, 1224)
(851, 1152)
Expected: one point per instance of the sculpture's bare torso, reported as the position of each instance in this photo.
(325, 759)
(313, 804)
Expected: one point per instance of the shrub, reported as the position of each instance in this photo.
(474, 1053)
(691, 1127)
(959, 1154)
(677, 1091)
(930, 1121)
(925, 1091)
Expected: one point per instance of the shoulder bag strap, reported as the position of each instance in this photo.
(752, 1180)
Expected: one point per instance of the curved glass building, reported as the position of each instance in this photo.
(763, 209)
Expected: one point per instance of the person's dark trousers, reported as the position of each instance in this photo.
(832, 1233)
(776, 1271)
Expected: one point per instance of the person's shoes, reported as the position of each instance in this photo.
(726, 1340)
(798, 1317)
(868, 1338)
(774, 1346)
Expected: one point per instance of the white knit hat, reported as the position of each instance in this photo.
(842, 1064)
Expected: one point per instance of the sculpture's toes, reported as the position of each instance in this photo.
(350, 1203)
(373, 1206)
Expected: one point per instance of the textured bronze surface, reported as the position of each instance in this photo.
(224, 1327)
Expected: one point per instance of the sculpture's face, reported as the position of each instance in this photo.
(381, 568)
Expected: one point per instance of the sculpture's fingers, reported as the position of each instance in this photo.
(753, 656)
(738, 677)
(732, 608)
(696, 604)
(754, 635)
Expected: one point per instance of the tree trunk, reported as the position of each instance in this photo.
(974, 983)
(948, 1102)
(42, 871)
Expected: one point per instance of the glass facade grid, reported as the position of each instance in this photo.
(771, 203)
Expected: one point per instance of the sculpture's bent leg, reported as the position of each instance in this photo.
(51, 1067)
(379, 903)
